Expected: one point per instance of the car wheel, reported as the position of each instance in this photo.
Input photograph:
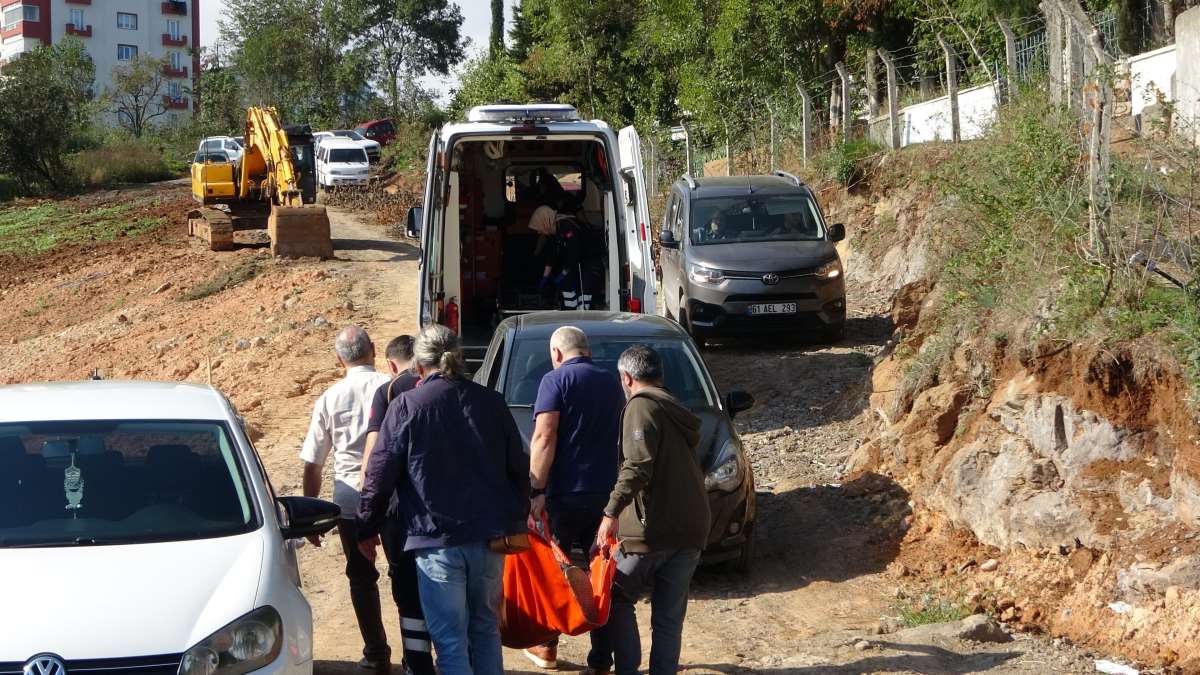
(686, 323)
(834, 334)
(745, 560)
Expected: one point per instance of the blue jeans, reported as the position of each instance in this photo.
(460, 593)
(617, 644)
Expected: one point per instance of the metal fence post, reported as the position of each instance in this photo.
(1010, 59)
(728, 157)
(951, 87)
(805, 118)
(1054, 50)
(771, 114)
(844, 75)
(687, 147)
(893, 94)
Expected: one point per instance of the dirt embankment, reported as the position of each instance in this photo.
(1055, 484)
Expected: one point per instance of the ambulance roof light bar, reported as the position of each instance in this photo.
(533, 112)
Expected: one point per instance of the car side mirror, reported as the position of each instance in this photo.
(738, 401)
(667, 240)
(837, 232)
(307, 516)
(412, 224)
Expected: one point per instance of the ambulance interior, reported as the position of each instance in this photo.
(495, 185)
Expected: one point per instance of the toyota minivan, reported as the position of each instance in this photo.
(479, 257)
(139, 534)
(748, 255)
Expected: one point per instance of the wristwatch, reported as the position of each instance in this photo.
(537, 492)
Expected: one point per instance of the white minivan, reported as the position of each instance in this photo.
(342, 162)
(480, 261)
(139, 534)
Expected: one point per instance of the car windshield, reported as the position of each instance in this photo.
(351, 134)
(530, 360)
(347, 156)
(217, 144)
(75, 483)
(718, 220)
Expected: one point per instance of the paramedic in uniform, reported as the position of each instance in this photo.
(571, 255)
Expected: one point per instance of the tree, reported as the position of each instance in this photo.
(496, 43)
(486, 79)
(520, 36)
(136, 93)
(222, 107)
(43, 102)
(407, 39)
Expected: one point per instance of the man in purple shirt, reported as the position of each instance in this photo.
(573, 452)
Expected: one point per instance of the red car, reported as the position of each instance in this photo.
(380, 131)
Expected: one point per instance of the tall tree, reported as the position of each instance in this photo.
(43, 103)
(136, 93)
(496, 43)
(407, 39)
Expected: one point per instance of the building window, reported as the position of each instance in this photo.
(173, 28)
(126, 21)
(175, 91)
(126, 52)
(15, 15)
(77, 18)
(176, 60)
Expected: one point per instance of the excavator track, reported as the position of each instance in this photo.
(300, 231)
(213, 226)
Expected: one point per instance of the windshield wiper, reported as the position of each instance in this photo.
(77, 541)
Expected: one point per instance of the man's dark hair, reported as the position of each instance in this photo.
(400, 349)
(642, 364)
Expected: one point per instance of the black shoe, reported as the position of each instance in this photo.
(380, 666)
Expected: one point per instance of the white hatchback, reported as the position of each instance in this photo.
(139, 534)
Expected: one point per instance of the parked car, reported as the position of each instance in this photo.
(519, 355)
(228, 144)
(320, 136)
(342, 162)
(750, 254)
(140, 534)
(380, 131)
(373, 148)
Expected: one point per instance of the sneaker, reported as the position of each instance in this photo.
(543, 656)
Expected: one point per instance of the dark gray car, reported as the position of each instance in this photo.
(745, 255)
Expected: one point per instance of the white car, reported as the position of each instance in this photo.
(372, 147)
(321, 136)
(342, 162)
(139, 534)
(227, 143)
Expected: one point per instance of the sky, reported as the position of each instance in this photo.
(477, 20)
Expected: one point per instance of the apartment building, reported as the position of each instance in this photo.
(114, 32)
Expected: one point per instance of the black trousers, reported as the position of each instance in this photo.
(364, 595)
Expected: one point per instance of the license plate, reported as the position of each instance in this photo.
(773, 308)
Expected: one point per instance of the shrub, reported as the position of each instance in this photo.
(9, 188)
(116, 164)
(844, 161)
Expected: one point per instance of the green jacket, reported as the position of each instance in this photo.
(659, 497)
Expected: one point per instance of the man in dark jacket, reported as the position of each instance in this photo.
(659, 508)
(453, 455)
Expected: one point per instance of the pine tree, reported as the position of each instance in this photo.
(520, 38)
(497, 40)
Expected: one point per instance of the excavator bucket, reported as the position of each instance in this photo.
(214, 226)
(300, 231)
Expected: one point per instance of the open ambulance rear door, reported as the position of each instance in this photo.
(643, 286)
(430, 266)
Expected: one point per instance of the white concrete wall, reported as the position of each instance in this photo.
(1187, 71)
(1151, 76)
(930, 120)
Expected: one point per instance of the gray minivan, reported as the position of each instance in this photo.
(746, 255)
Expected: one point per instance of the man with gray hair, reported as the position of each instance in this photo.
(666, 528)
(339, 426)
(573, 451)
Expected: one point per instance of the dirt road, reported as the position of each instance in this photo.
(162, 307)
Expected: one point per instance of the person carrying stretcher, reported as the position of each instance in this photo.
(572, 254)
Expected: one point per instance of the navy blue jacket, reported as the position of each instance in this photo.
(454, 457)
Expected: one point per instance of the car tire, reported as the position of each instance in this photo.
(686, 323)
(744, 563)
(834, 334)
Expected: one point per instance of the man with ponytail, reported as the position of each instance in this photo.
(452, 454)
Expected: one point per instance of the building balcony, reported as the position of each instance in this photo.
(79, 31)
(169, 41)
(180, 103)
(174, 72)
(176, 8)
(16, 30)
(79, 2)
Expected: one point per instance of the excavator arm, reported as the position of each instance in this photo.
(276, 179)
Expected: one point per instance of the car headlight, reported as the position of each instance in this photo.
(246, 644)
(830, 270)
(726, 474)
(706, 275)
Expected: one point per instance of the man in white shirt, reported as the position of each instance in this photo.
(339, 425)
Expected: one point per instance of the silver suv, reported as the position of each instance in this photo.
(745, 255)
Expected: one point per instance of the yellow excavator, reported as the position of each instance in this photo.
(272, 187)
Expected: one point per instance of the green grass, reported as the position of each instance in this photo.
(28, 230)
(224, 280)
(126, 163)
(928, 609)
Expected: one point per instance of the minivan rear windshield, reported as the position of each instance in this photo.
(723, 220)
(347, 156)
(95, 483)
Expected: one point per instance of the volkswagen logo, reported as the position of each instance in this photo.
(770, 279)
(44, 664)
